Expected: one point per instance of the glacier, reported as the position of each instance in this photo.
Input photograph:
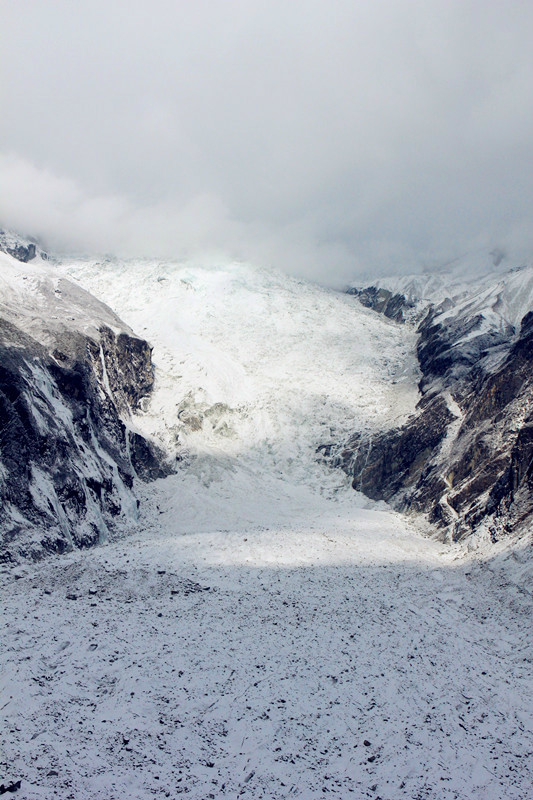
(262, 630)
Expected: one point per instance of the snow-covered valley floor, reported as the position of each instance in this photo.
(265, 632)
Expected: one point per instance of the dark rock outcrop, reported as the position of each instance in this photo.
(124, 363)
(69, 452)
(384, 464)
(448, 350)
(490, 467)
(22, 249)
(466, 456)
(68, 460)
(147, 459)
(393, 306)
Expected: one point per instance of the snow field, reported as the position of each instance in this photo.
(334, 657)
(266, 632)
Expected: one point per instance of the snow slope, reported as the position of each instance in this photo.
(37, 298)
(267, 633)
(256, 367)
(502, 297)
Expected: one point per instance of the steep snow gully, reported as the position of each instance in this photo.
(265, 632)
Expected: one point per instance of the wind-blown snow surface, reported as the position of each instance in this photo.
(267, 633)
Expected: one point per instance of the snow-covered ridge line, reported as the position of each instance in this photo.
(502, 296)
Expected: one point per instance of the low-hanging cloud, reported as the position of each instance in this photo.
(327, 139)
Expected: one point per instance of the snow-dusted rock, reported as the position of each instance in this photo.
(71, 375)
(393, 305)
(20, 248)
(465, 455)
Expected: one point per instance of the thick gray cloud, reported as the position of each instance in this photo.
(328, 138)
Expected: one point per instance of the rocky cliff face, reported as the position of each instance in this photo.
(393, 305)
(466, 456)
(71, 377)
(22, 249)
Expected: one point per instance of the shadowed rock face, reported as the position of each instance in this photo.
(384, 464)
(124, 362)
(487, 470)
(452, 349)
(68, 458)
(393, 306)
(20, 249)
(466, 456)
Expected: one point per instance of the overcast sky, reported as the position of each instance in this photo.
(325, 137)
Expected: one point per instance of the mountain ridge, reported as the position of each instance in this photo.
(465, 456)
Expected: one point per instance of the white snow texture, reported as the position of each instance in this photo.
(266, 632)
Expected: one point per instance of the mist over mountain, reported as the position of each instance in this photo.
(329, 141)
